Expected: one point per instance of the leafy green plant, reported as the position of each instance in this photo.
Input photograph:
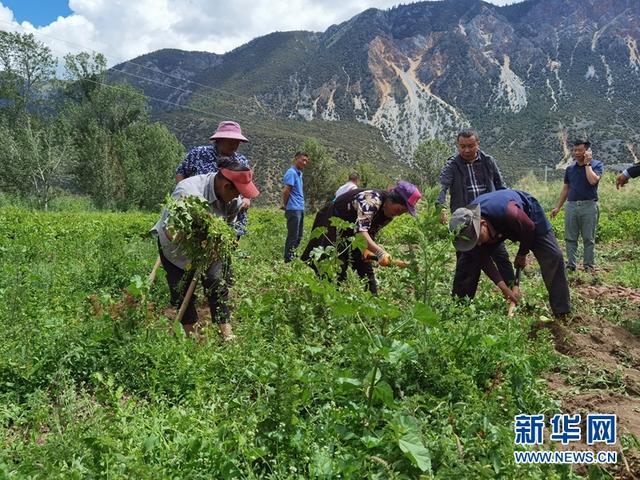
(203, 237)
(325, 381)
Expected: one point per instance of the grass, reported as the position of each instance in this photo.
(324, 382)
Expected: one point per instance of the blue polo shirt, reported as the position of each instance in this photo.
(293, 178)
(579, 186)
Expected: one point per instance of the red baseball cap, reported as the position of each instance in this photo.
(242, 180)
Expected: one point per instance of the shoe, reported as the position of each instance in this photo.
(226, 333)
(571, 268)
(589, 269)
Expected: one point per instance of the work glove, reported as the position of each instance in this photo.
(384, 259)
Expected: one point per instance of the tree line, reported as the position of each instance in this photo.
(77, 133)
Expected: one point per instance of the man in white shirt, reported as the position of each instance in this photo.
(354, 178)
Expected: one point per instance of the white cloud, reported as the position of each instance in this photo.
(6, 15)
(123, 29)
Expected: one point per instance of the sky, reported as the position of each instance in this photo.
(124, 29)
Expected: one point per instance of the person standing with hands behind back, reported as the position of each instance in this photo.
(466, 176)
(580, 191)
(293, 204)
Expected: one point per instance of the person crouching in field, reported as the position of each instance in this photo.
(370, 210)
(484, 224)
(224, 190)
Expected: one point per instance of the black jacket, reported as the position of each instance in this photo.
(634, 171)
(453, 178)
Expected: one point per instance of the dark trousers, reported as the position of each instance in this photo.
(352, 258)
(467, 274)
(216, 282)
(364, 269)
(549, 256)
(295, 229)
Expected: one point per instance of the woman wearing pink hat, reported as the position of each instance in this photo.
(205, 158)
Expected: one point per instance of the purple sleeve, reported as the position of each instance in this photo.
(482, 255)
(523, 227)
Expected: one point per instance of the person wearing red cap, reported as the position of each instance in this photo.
(370, 210)
(224, 191)
(205, 158)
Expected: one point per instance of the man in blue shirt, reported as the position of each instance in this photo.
(580, 190)
(293, 204)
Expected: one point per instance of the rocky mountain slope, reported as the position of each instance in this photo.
(530, 77)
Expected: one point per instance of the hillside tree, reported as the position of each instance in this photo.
(321, 176)
(428, 160)
(26, 65)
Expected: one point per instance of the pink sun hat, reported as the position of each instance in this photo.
(229, 129)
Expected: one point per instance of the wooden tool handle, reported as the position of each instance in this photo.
(512, 305)
(152, 275)
(187, 298)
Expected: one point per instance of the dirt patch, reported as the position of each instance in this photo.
(605, 378)
(609, 292)
(600, 343)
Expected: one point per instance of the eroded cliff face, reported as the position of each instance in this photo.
(488, 62)
(524, 74)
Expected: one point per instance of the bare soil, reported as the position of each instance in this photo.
(605, 377)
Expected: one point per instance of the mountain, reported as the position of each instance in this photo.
(529, 77)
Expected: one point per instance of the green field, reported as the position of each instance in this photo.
(323, 381)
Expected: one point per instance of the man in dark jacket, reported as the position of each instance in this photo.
(493, 217)
(465, 176)
(631, 172)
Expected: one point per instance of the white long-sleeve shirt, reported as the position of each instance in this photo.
(345, 188)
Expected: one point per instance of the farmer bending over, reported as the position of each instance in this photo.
(370, 210)
(493, 217)
(224, 190)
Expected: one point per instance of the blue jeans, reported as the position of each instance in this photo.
(295, 223)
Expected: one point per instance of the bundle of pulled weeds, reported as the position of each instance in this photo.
(202, 236)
